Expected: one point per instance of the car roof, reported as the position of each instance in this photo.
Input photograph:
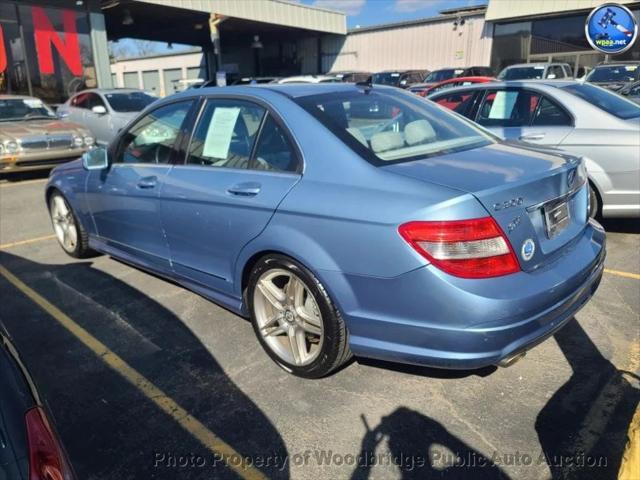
(534, 64)
(621, 62)
(543, 84)
(106, 91)
(290, 90)
(16, 97)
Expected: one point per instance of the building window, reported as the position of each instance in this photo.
(53, 58)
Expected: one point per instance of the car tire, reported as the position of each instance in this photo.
(71, 236)
(594, 202)
(291, 311)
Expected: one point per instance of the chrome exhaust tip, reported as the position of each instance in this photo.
(508, 361)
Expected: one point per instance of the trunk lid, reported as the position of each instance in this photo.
(516, 185)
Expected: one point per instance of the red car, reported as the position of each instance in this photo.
(425, 91)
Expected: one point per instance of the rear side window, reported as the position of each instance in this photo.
(273, 150)
(225, 134)
(458, 102)
(507, 108)
(550, 114)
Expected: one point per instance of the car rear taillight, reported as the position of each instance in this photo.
(46, 460)
(475, 248)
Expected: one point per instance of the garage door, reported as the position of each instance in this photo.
(151, 81)
(171, 77)
(131, 80)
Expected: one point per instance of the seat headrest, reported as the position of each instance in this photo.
(383, 141)
(419, 131)
(358, 135)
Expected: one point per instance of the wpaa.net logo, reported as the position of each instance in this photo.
(611, 28)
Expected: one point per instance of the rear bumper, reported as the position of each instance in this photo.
(427, 317)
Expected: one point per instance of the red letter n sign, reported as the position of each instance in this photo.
(3, 52)
(46, 36)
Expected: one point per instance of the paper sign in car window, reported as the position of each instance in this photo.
(503, 105)
(218, 140)
(32, 102)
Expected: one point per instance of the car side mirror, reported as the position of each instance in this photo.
(551, 76)
(95, 159)
(99, 109)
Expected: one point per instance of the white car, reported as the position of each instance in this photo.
(309, 79)
(104, 111)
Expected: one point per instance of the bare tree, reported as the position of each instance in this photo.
(132, 48)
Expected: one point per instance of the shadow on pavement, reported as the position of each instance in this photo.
(621, 225)
(110, 429)
(15, 177)
(583, 427)
(422, 448)
(416, 370)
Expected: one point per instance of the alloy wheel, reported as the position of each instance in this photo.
(64, 223)
(288, 317)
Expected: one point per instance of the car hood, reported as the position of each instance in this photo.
(19, 130)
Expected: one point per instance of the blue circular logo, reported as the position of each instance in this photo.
(528, 249)
(611, 28)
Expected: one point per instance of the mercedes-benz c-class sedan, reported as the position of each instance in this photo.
(342, 219)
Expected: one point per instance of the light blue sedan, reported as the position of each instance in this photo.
(342, 219)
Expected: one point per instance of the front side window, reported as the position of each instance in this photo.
(152, 138)
(80, 100)
(555, 71)
(507, 108)
(225, 134)
(386, 127)
(93, 100)
(17, 109)
(605, 99)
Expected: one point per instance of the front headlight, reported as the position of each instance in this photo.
(77, 142)
(11, 146)
(89, 141)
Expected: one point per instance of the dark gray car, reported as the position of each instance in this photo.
(29, 447)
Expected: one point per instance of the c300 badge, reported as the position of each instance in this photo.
(528, 249)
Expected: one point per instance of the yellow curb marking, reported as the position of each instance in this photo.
(206, 437)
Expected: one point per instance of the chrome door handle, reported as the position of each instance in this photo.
(248, 189)
(148, 182)
(532, 136)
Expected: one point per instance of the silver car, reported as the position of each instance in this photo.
(104, 111)
(579, 118)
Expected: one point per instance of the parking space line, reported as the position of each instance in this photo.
(205, 436)
(620, 273)
(4, 246)
(23, 182)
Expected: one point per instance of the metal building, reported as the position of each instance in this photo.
(456, 38)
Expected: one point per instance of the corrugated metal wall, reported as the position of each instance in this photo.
(278, 12)
(423, 46)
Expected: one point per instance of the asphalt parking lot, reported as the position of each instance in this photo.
(147, 380)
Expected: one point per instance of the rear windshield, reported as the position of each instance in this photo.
(129, 102)
(521, 73)
(441, 75)
(388, 127)
(605, 99)
(614, 73)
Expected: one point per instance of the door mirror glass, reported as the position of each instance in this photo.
(551, 76)
(99, 109)
(95, 159)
